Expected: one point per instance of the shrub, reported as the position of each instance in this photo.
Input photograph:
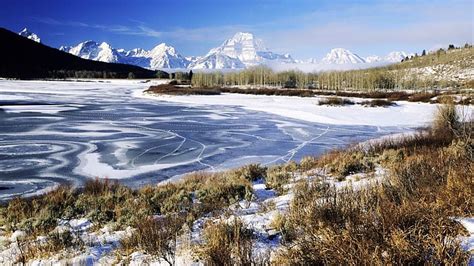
(216, 193)
(421, 97)
(155, 236)
(281, 223)
(446, 120)
(172, 89)
(54, 243)
(343, 163)
(226, 243)
(335, 101)
(308, 163)
(277, 177)
(444, 99)
(378, 103)
(251, 172)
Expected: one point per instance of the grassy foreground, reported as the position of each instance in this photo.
(405, 218)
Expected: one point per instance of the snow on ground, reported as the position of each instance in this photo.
(407, 114)
(467, 242)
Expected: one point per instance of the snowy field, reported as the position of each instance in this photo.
(54, 132)
(405, 114)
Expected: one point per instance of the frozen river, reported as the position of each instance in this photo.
(65, 132)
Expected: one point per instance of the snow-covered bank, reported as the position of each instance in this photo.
(405, 114)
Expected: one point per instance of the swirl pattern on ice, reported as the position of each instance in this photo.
(65, 132)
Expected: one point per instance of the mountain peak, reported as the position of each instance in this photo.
(342, 56)
(162, 47)
(244, 47)
(243, 36)
(395, 56)
(161, 56)
(29, 35)
(105, 45)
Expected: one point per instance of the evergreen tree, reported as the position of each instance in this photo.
(423, 53)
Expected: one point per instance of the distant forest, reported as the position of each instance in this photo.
(411, 73)
(25, 59)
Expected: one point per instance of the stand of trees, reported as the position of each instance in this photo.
(393, 77)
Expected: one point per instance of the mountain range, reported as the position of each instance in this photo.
(27, 58)
(241, 51)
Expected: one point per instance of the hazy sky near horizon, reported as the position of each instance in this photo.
(302, 28)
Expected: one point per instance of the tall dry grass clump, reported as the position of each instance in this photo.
(226, 243)
(446, 121)
(156, 236)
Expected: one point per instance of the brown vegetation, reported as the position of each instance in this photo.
(405, 219)
(156, 236)
(335, 101)
(171, 89)
(380, 98)
(378, 103)
(226, 243)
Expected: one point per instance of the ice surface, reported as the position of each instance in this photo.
(56, 132)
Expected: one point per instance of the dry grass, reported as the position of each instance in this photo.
(171, 89)
(269, 91)
(156, 236)
(54, 243)
(378, 103)
(335, 101)
(277, 177)
(104, 202)
(422, 97)
(406, 219)
(341, 163)
(226, 243)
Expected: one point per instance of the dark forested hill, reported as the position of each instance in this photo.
(24, 58)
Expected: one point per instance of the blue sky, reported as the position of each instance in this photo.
(302, 28)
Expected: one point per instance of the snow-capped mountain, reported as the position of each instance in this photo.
(93, 51)
(217, 61)
(30, 35)
(165, 56)
(341, 56)
(243, 47)
(373, 59)
(395, 57)
(161, 56)
(241, 51)
(193, 58)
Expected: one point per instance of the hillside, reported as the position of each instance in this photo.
(455, 65)
(24, 58)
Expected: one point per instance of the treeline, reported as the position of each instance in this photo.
(393, 77)
(63, 74)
